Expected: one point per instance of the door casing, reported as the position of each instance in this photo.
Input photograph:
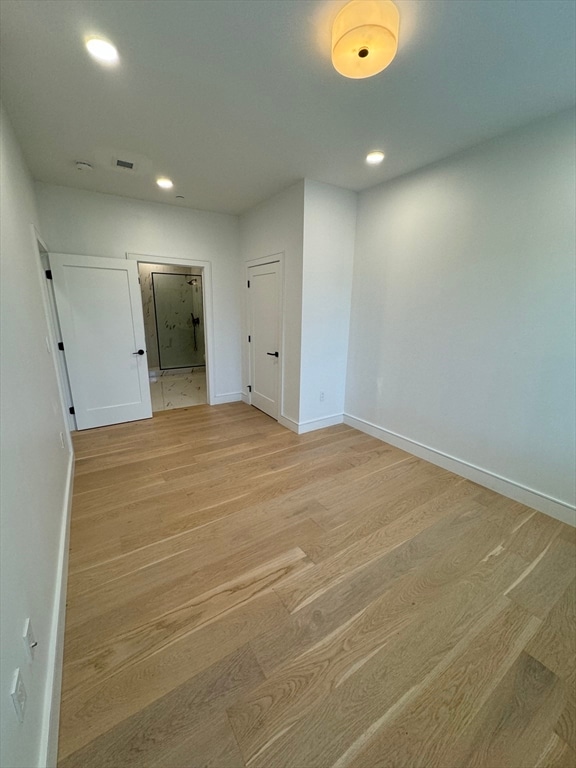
(206, 268)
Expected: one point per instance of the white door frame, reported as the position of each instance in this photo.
(206, 269)
(279, 259)
(51, 315)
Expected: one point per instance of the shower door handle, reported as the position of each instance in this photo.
(273, 354)
(140, 352)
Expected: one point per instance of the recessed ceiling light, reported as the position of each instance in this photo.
(102, 50)
(375, 158)
(164, 183)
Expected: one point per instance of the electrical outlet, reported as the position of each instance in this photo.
(19, 695)
(321, 397)
(29, 639)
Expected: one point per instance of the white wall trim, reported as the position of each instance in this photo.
(51, 315)
(245, 398)
(206, 267)
(284, 421)
(311, 425)
(229, 397)
(51, 719)
(560, 510)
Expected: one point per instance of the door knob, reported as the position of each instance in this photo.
(273, 354)
(140, 352)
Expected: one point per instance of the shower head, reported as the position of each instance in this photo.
(192, 282)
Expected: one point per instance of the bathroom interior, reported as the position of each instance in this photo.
(172, 299)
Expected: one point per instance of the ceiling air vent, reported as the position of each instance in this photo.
(124, 164)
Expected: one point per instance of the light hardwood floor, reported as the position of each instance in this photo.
(243, 596)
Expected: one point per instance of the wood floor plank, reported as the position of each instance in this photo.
(419, 731)
(557, 754)
(159, 586)
(339, 728)
(95, 655)
(92, 710)
(297, 592)
(548, 575)
(390, 507)
(392, 623)
(514, 723)
(555, 644)
(566, 725)
(439, 555)
(366, 492)
(178, 722)
(199, 546)
(239, 595)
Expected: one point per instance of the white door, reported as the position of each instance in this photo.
(264, 305)
(100, 311)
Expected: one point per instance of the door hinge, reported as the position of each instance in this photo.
(248, 283)
(249, 388)
(48, 274)
(71, 410)
(61, 346)
(249, 338)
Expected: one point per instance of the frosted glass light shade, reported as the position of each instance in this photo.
(365, 37)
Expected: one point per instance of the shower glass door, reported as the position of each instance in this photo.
(179, 319)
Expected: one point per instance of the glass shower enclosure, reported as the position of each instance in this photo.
(179, 310)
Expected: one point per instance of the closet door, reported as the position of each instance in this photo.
(264, 308)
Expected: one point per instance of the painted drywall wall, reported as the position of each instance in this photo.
(329, 235)
(34, 469)
(462, 323)
(94, 224)
(277, 226)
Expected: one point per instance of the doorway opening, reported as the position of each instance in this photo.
(174, 328)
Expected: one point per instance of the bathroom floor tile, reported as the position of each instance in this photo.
(178, 391)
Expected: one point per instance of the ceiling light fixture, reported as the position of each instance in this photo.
(375, 158)
(164, 183)
(365, 37)
(102, 50)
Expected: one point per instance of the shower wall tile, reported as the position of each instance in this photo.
(145, 274)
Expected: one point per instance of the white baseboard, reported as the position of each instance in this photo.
(246, 398)
(288, 423)
(229, 397)
(560, 510)
(51, 720)
(313, 424)
(310, 426)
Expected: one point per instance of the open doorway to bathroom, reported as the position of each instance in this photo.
(173, 303)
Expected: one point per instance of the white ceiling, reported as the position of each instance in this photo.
(237, 99)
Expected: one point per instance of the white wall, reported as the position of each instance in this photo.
(329, 233)
(273, 227)
(94, 224)
(34, 471)
(462, 326)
